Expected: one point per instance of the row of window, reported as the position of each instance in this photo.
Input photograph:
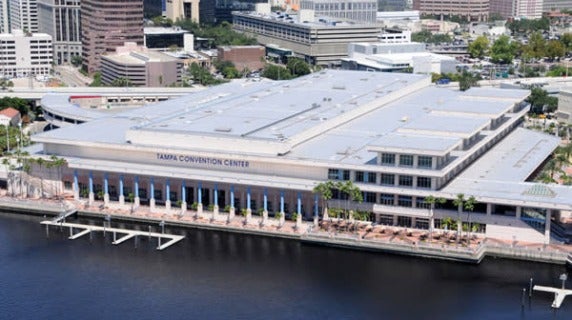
(386, 178)
(406, 160)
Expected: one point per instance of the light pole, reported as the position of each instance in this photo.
(563, 277)
(7, 138)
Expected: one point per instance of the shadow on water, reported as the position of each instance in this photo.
(218, 275)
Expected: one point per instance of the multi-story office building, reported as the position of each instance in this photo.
(4, 17)
(141, 67)
(472, 10)
(264, 146)
(551, 5)
(25, 54)
(319, 40)
(24, 15)
(106, 25)
(216, 11)
(393, 5)
(363, 11)
(61, 20)
(504, 8)
(182, 9)
(529, 9)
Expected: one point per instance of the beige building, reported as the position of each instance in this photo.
(182, 9)
(141, 67)
(472, 10)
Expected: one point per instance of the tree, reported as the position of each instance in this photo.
(324, 189)
(470, 207)
(538, 99)
(275, 72)
(555, 49)
(502, 50)
(432, 201)
(566, 40)
(6, 83)
(536, 46)
(459, 202)
(297, 67)
(467, 80)
(479, 47)
(16, 103)
(76, 60)
(97, 82)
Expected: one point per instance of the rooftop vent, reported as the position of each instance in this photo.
(223, 129)
(339, 87)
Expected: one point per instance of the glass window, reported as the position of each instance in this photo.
(406, 160)
(424, 182)
(371, 177)
(359, 176)
(406, 181)
(386, 199)
(369, 197)
(404, 201)
(333, 174)
(387, 159)
(387, 179)
(345, 174)
(425, 162)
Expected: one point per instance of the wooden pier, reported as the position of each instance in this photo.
(127, 233)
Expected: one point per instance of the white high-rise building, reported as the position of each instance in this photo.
(61, 20)
(4, 17)
(25, 54)
(24, 15)
(363, 11)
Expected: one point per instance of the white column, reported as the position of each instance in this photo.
(518, 212)
(489, 209)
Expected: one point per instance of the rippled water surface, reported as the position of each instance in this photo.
(216, 275)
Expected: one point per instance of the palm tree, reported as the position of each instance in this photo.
(459, 201)
(40, 161)
(431, 200)
(324, 189)
(58, 163)
(470, 206)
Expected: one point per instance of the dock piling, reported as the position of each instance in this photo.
(530, 288)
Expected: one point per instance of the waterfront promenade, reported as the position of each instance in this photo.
(440, 244)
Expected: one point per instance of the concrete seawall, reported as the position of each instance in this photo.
(347, 241)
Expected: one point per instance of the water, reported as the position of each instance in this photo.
(216, 275)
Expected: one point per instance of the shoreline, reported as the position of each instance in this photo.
(390, 240)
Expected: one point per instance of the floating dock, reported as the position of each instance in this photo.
(127, 233)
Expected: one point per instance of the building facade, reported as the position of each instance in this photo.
(141, 67)
(61, 20)
(106, 25)
(471, 10)
(504, 8)
(243, 57)
(320, 42)
(262, 148)
(24, 15)
(24, 54)
(4, 17)
(362, 11)
(551, 5)
(182, 9)
(528, 9)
